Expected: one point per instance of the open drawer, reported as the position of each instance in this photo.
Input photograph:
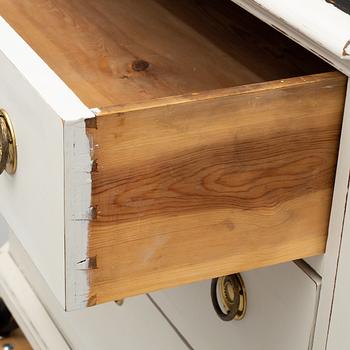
(172, 141)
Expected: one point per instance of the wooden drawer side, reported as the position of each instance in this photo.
(210, 185)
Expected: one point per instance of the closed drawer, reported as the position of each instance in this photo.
(137, 324)
(282, 303)
(170, 143)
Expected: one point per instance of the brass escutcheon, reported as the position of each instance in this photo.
(229, 297)
(8, 151)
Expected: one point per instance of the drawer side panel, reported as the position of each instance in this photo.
(210, 184)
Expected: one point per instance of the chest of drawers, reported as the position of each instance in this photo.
(162, 143)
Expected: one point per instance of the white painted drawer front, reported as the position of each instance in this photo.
(37, 102)
(282, 302)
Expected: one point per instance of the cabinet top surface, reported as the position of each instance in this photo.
(326, 22)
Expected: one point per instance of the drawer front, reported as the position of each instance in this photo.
(281, 309)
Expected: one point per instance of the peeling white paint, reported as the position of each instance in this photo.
(77, 158)
(96, 111)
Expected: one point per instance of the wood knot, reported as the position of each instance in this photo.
(139, 65)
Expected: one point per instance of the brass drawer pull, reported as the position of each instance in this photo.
(229, 297)
(8, 152)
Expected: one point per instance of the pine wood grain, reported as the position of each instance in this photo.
(112, 52)
(209, 184)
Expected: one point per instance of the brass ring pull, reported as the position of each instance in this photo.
(4, 144)
(8, 152)
(229, 297)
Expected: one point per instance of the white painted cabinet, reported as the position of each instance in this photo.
(89, 231)
(281, 311)
(135, 325)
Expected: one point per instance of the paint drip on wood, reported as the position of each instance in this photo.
(343, 5)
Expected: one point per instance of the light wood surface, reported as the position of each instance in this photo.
(17, 339)
(208, 185)
(189, 46)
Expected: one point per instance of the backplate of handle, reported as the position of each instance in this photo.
(8, 151)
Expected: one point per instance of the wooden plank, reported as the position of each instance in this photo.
(112, 52)
(208, 185)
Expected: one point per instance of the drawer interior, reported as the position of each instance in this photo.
(121, 52)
